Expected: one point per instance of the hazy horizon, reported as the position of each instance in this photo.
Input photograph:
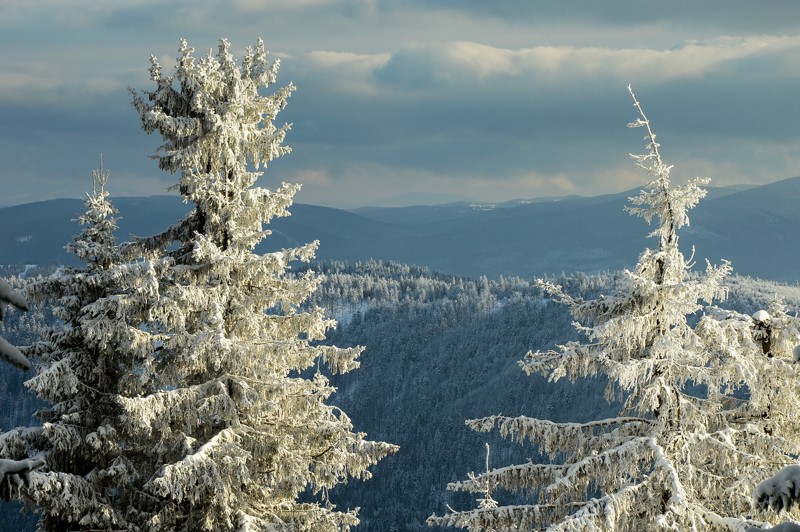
(419, 199)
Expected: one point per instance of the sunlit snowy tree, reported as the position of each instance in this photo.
(80, 370)
(705, 410)
(232, 427)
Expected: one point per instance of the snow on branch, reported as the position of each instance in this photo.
(555, 438)
(179, 405)
(511, 517)
(201, 472)
(16, 473)
(13, 355)
(8, 351)
(514, 478)
(573, 360)
(603, 513)
(9, 295)
(340, 360)
(788, 526)
(780, 491)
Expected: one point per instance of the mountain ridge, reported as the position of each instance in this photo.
(753, 227)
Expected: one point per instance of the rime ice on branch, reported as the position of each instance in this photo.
(704, 411)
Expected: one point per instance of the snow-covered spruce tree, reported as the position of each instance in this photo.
(81, 367)
(704, 411)
(233, 428)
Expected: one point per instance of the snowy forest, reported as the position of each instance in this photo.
(186, 381)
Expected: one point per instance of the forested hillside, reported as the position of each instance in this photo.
(442, 349)
(439, 349)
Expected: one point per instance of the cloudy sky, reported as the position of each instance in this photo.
(486, 100)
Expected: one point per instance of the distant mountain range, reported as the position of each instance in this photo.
(756, 228)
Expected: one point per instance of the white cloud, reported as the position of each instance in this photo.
(345, 70)
(131, 184)
(460, 63)
(364, 183)
(257, 6)
(317, 177)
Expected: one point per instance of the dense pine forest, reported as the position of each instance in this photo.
(440, 349)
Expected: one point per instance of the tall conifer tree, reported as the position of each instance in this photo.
(235, 419)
